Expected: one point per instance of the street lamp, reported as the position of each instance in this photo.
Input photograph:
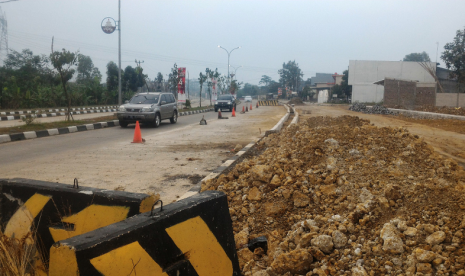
(235, 69)
(229, 53)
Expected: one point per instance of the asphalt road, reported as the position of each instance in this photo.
(173, 156)
(21, 151)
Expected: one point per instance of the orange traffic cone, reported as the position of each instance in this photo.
(233, 113)
(219, 114)
(243, 108)
(250, 106)
(137, 134)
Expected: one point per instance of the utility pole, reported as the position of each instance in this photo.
(119, 53)
(140, 75)
(3, 36)
(188, 85)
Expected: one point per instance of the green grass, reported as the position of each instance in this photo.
(57, 124)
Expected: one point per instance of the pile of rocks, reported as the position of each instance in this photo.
(376, 109)
(339, 196)
(359, 107)
(379, 109)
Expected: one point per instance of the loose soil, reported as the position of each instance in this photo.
(444, 110)
(341, 196)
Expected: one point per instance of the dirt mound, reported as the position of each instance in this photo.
(339, 196)
(296, 101)
(443, 109)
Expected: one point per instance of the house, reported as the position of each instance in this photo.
(364, 73)
(403, 84)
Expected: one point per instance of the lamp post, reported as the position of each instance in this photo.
(229, 53)
(235, 70)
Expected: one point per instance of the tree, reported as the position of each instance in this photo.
(130, 80)
(234, 87)
(423, 56)
(202, 79)
(63, 62)
(159, 79)
(346, 88)
(222, 83)
(265, 80)
(290, 75)
(454, 57)
(22, 75)
(112, 76)
(173, 80)
(85, 69)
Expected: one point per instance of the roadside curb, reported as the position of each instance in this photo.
(54, 131)
(47, 115)
(296, 117)
(5, 138)
(429, 115)
(56, 110)
(232, 160)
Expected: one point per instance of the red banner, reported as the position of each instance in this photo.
(182, 80)
(280, 91)
(182, 85)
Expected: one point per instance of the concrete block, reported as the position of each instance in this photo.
(5, 138)
(72, 129)
(53, 131)
(89, 126)
(59, 211)
(189, 237)
(30, 135)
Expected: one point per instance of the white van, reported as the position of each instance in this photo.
(248, 98)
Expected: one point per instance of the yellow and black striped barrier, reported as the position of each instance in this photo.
(268, 103)
(59, 211)
(193, 236)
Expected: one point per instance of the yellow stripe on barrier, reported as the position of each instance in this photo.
(126, 260)
(20, 223)
(204, 252)
(90, 218)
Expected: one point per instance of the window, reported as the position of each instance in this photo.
(224, 98)
(144, 99)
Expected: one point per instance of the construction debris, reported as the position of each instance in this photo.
(376, 109)
(339, 196)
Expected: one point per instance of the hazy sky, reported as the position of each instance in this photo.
(321, 36)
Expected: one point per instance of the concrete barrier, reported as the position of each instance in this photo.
(296, 117)
(189, 237)
(268, 103)
(58, 211)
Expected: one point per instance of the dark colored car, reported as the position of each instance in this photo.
(149, 108)
(225, 102)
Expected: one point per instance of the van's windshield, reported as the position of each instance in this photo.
(224, 98)
(145, 99)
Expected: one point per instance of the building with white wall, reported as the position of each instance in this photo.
(363, 74)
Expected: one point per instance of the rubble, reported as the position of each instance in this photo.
(376, 109)
(339, 196)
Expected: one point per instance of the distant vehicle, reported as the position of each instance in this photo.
(269, 96)
(248, 98)
(148, 107)
(226, 101)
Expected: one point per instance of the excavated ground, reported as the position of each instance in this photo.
(339, 196)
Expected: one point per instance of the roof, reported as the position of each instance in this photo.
(322, 78)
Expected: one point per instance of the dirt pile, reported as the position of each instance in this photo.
(296, 101)
(443, 109)
(339, 196)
